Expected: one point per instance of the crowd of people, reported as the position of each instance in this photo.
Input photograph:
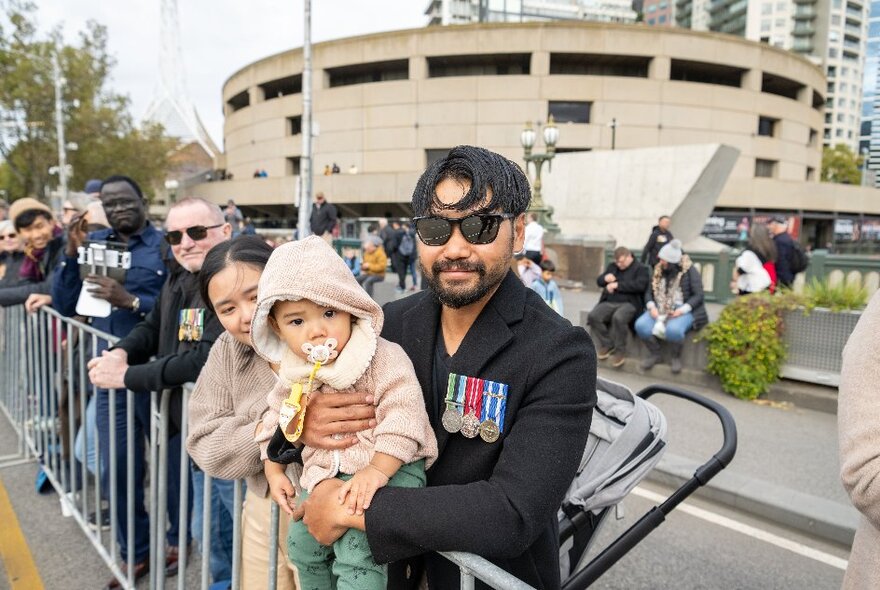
(340, 411)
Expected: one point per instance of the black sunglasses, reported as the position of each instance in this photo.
(476, 229)
(196, 233)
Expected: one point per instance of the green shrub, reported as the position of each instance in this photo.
(839, 297)
(745, 348)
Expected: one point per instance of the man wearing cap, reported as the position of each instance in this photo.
(674, 305)
(131, 298)
(784, 249)
(43, 242)
(323, 218)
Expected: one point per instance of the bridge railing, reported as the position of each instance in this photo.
(45, 395)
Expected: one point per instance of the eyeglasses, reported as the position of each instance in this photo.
(8, 237)
(196, 233)
(476, 229)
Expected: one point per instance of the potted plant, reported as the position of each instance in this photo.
(816, 331)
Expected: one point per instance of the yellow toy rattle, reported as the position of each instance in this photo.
(293, 405)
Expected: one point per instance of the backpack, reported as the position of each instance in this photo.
(799, 260)
(407, 245)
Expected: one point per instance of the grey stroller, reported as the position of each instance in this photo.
(627, 439)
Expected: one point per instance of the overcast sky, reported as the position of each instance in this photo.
(217, 38)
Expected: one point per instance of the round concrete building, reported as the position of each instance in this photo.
(386, 105)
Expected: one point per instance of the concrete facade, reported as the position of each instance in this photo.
(387, 103)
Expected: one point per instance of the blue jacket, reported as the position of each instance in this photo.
(549, 292)
(144, 280)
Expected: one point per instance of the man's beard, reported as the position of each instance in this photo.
(457, 298)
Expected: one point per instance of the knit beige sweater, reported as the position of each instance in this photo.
(310, 269)
(224, 410)
(858, 425)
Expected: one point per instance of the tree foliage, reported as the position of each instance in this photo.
(840, 164)
(95, 117)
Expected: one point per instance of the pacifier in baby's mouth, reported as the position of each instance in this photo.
(321, 353)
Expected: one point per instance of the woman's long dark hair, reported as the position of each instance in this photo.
(250, 250)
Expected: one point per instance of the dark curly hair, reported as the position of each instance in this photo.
(481, 169)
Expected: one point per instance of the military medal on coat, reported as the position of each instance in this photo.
(475, 407)
(191, 325)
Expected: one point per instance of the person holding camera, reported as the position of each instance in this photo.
(673, 306)
(131, 299)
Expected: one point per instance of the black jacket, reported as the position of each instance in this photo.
(323, 218)
(658, 239)
(390, 239)
(631, 284)
(784, 252)
(691, 290)
(157, 335)
(18, 290)
(498, 500)
(12, 262)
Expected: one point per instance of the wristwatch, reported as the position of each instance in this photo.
(135, 304)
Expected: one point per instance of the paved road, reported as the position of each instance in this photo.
(687, 552)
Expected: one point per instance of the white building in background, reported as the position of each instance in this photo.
(458, 12)
(831, 33)
(869, 140)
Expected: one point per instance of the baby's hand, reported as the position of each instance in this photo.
(361, 488)
(282, 491)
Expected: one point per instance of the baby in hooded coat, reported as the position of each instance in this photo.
(317, 324)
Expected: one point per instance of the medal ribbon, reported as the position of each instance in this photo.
(495, 403)
(454, 394)
(473, 396)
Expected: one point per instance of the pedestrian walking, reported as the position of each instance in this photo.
(623, 285)
(660, 236)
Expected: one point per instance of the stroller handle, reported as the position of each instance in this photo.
(655, 517)
(724, 456)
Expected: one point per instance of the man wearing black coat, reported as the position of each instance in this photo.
(784, 249)
(323, 218)
(179, 331)
(495, 495)
(623, 287)
(660, 236)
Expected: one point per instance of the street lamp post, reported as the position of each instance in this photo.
(527, 139)
(864, 181)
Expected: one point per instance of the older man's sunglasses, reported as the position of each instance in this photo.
(196, 233)
(482, 228)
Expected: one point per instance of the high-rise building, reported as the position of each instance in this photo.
(869, 135)
(456, 12)
(659, 13)
(831, 33)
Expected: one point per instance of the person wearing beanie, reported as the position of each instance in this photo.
(315, 321)
(42, 240)
(674, 305)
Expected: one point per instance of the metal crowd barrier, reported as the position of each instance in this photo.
(44, 381)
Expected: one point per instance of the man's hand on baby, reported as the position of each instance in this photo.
(361, 488)
(332, 418)
(282, 492)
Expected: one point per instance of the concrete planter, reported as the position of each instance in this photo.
(815, 344)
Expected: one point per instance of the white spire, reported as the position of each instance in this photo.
(172, 107)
